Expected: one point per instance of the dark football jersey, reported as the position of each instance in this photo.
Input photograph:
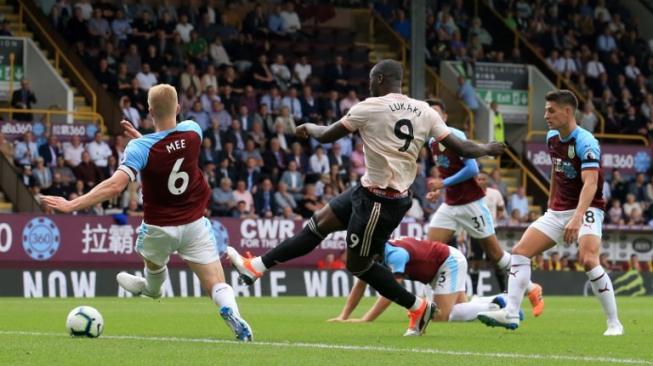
(174, 190)
(419, 260)
(578, 152)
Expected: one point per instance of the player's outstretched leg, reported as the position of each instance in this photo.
(211, 277)
(150, 286)
(318, 227)
(588, 250)
(501, 259)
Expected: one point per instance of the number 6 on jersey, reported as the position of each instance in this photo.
(175, 175)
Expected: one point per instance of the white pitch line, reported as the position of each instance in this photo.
(627, 361)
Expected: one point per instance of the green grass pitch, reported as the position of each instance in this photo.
(294, 331)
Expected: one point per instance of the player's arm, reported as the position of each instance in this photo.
(323, 134)
(469, 171)
(354, 298)
(105, 190)
(470, 149)
(590, 178)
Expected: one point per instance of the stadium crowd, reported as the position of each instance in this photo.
(250, 74)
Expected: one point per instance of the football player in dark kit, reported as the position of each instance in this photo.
(393, 128)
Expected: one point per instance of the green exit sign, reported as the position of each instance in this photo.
(515, 98)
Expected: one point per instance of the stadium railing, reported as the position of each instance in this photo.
(526, 172)
(49, 113)
(459, 112)
(59, 56)
(537, 59)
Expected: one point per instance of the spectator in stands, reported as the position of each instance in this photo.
(146, 78)
(27, 176)
(519, 201)
(106, 78)
(99, 28)
(99, 150)
(133, 59)
(283, 198)
(26, 151)
(294, 105)
(402, 25)
(290, 23)
(209, 97)
(632, 123)
(218, 53)
(137, 97)
(273, 100)
(319, 162)
(242, 194)
(219, 115)
(310, 202)
(7, 149)
(633, 263)
(467, 94)
(631, 205)
(87, 172)
(606, 43)
(130, 113)
(588, 119)
(49, 152)
(329, 262)
(263, 76)
(190, 78)
(302, 70)
(121, 28)
(251, 174)
(281, 72)
(209, 78)
(65, 173)
(636, 217)
(615, 213)
(23, 98)
(243, 211)
(5, 30)
(638, 188)
(618, 185)
(58, 187)
(251, 152)
(76, 29)
(266, 205)
(275, 22)
(245, 118)
(293, 179)
(207, 152)
(198, 49)
(477, 30)
(336, 157)
(199, 115)
(223, 198)
(123, 79)
(515, 218)
(348, 102)
(42, 174)
(338, 76)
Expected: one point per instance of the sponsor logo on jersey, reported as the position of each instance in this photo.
(571, 152)
(41, 238)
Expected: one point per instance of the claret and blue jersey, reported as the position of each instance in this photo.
(174, 190)
(570, 156)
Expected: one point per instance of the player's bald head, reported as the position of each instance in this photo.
(386, 77)
(162, 100)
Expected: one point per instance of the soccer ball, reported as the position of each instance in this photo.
(85, 321)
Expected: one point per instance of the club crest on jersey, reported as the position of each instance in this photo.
(442, 147)
(442, 161)
(571, 152)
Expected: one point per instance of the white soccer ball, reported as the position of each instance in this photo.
(85, 321)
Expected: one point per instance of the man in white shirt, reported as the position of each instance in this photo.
(594, 68)
(72, 152)
(293, 103)
(184, 28)
(290, 23)
(493, 197)
(302, 70)
(146, 78)
(207, 99)
(99, 151)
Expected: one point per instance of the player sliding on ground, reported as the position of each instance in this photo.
(465, 207)
(432, 263)
(575, 213)
(393, 128)
(175, 196)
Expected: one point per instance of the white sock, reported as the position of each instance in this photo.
(518, 277)
(504, 264)
(486, 299)
(223, 295)
(467, 311)
(602, 288)
(258, 265)
(417, 304)
(155, 279)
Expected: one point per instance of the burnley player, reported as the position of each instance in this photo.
(175, 196)
(465, 207)
(393, 128)
(434, 264)
(575, 213)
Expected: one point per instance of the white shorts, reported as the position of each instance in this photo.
(474, 218)
(552, 223)
(452, 274)
(193, 242)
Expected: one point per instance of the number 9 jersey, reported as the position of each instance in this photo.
(174, 189)
(394, 128)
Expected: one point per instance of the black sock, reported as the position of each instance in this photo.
(382, 280)
(301, 244)
(473, 274)
(502, 279)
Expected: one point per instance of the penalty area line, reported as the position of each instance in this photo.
(344, 347)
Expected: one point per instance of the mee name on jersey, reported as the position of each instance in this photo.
(570, 156)
(448, 164)
(174, 190)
